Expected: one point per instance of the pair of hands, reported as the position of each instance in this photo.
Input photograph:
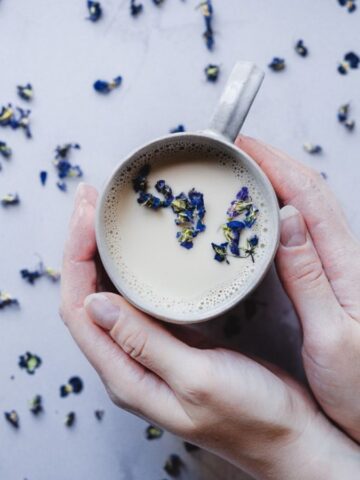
(249, 413)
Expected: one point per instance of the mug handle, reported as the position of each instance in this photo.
(236, 100)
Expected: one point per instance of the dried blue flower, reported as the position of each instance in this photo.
(63, 166)
(6, 115)
(349, 4)
(13, 418)
(35, 405)
(10, 199)
(102, 86)
(179, 129)
(140, 181)
(149, 200)
(30, 362)
(70, 419)
(301, 49)
(30, 275)
(40, 271)
(61, 185)
(173, 465)
(312, 148)
(220, 252)
(95, 11)
(43, 176)
(158, 2)
(351, 61)
(243, 194)
(166, 191)
(207, 11)
(74, 385)
(15, 118)
(343, 117)
(6, 299)
(186, 237)
(212, 72)
(232, 232)
(252, 243)
(99, 414)
(25, 92)
(237, 207)
(5, 150)
(135, 8)
(153, 433)
(277, 64)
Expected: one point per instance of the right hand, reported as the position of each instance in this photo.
(320, 270)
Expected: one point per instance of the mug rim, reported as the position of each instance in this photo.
(113, 272)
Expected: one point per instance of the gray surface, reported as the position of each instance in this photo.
(161, 56)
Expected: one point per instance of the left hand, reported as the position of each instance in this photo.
(254, 416)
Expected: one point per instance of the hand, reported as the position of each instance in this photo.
(254, 416)
(319, 265)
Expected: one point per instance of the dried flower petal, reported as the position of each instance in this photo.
(74, 385)
(99, 414)
(25, 92)
(153, 433)
(95, 11)
(63, 166)
(312, 148)
(35, 405)
(13, 418)
(43, 177)
(207, 12)
(30, 275)
(301, 49)
(231, 232)
(6, 299)
(140, 181)
(102, 86)
(220, 252)
(173, 465)
(277, 64)
(30, 362)
(10, 199)
(351, 61)
(349, 4)
(5, 150)
(212, 72)
(70, 419)
(343, 117)
(179, 129)
(135, 8)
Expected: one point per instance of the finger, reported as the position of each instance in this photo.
(303, 277)
(78, 270)
(303, 188)
(132, 386)
(143, 339)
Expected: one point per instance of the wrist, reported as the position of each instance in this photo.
(320, 451)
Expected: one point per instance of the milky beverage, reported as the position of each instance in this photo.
(143, 245)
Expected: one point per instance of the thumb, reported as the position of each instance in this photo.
(302, 275)
(141, 337)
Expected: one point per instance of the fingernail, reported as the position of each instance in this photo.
(293, 228)
(80, 190)
(102, 310)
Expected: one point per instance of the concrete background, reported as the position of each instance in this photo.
(161, 56)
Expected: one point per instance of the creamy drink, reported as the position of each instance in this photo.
(143, 245)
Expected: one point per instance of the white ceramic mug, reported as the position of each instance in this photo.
(224, 126)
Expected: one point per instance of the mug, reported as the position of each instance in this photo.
(224, 126)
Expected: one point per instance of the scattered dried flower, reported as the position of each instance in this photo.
(102, 86)
(6, 299)
(30, 362)
(212, 72)
(25, 92)
(70, 419)
(74, 385)
(312, 148)
(10, 199)
(95, 11)
(301, 49)
(35, 405)
(277, 64)
(13, 418)
(153, 433)
(351, 61)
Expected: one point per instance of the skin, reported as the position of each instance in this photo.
(251, 414)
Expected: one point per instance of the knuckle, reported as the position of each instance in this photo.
(308, 273)
(132, 339)
(197, 389)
